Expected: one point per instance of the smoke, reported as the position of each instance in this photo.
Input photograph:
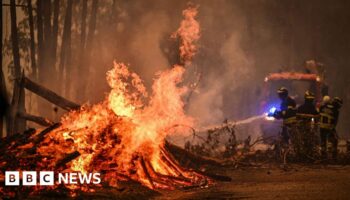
(145, 45)
(206, 106)
(241, 42)
(227, 69)
(238, 66)
(143, 40)
(223, 95)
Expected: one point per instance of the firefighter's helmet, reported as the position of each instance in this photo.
(309, 95)
(282, 91)
(326, 99)
(338, 101)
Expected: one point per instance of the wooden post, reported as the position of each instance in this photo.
(17, 125)
(39, 120)
(49, 95)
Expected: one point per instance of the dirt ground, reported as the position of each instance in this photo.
(275, 182)
(269, 181)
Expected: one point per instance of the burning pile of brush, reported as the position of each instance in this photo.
(122, 137)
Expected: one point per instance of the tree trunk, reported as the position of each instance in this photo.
(55, 31)
(66, 47)
(14, 38)
(17, 125)
(48, 67)
(90, 39)
(47, 21)
(46, 8)
(69, 49)
(3, 92)
(92, 27)
(113, 13)
(83, 27)
(32, 40)
(80, 82)
(40, 35)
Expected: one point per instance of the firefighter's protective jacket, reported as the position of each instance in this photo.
(328, 116)
(307, 111)
(287, 111)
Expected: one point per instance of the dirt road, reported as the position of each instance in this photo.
(274, 182)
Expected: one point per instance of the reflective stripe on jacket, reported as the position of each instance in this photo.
(327, 121)
(327, 116)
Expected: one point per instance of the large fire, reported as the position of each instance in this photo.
(189, 33)
(123, 137)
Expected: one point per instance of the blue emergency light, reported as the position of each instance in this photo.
(272, 110)
(269, 114)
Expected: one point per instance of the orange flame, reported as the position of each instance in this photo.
(189, 33)
(124, 135)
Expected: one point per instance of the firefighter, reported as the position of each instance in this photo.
(326, 99)
(287, 113)
(305, 139)
(329, 114)
(307, 111)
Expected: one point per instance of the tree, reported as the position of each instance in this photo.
(83, 28)
(3, 92)
(92, 27)
(40, 36)
(55, 31)
(66, 46)
(90, 39)
(17, 105)
(47, 64)
(32, 40)
(82, 43)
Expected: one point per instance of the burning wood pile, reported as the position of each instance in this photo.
(123, 137)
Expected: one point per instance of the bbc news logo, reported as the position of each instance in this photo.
(47, 178)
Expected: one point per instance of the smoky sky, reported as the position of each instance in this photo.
(241, 42)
